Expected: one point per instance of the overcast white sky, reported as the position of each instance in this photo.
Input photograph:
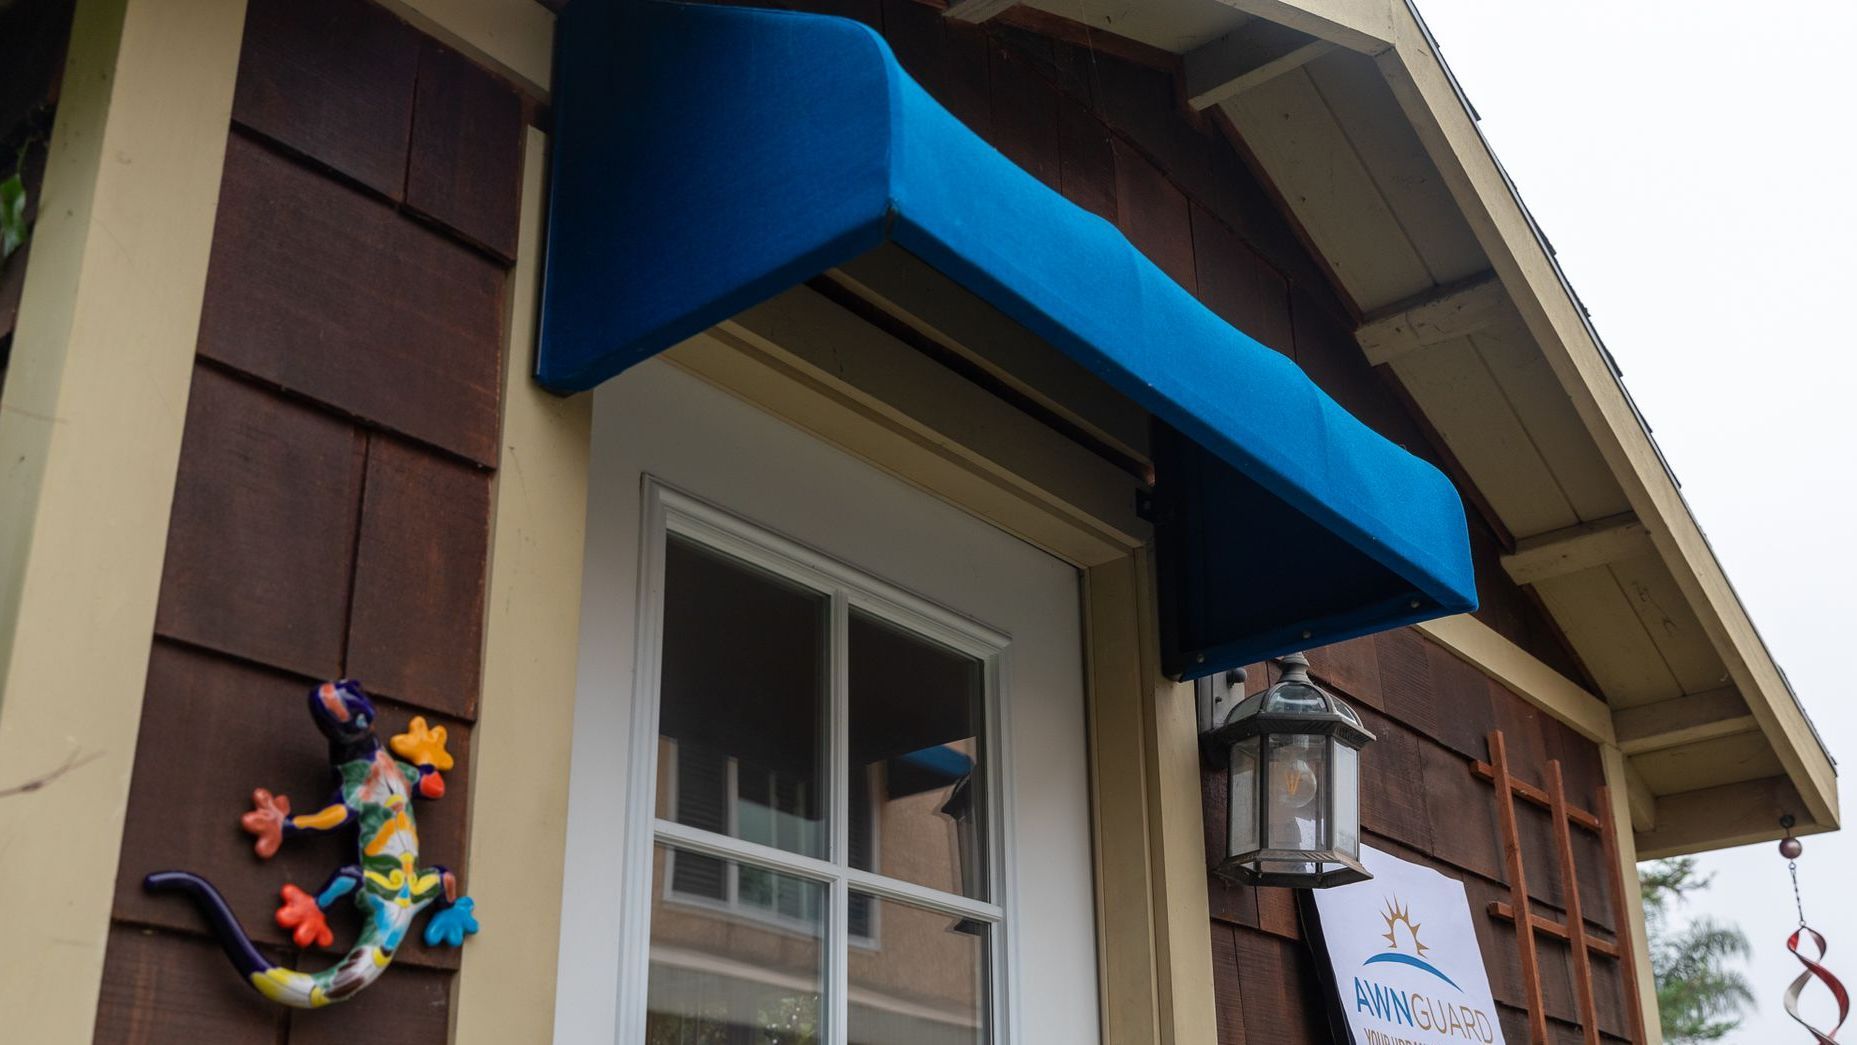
(1692, 163)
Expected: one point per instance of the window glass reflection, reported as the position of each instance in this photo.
(732, 974)
(924, 981)
(917, 757)
(742, 702)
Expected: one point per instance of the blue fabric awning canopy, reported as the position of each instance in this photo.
(708, 158)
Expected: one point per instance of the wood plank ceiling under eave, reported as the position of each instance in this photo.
(1332, 139)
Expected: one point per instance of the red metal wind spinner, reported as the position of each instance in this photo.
(1790, 848)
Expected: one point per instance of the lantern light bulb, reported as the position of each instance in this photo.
(1296, 783)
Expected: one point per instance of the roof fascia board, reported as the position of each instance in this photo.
(1444, 124)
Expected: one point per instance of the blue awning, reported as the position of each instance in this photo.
(707, 158)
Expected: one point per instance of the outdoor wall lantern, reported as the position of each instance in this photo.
(1294, 817)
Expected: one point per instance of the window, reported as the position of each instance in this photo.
(825, 854)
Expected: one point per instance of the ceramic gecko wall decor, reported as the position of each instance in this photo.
(374, 798)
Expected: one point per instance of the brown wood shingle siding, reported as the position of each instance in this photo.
(331, 515)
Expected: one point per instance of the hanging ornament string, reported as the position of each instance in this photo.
(1790, 848)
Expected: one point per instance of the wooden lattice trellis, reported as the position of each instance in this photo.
(1573, 930)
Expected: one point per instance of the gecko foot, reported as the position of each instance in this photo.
(265, 822)
(300, 914)
(449, 925)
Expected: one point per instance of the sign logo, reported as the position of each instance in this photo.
(1403, 950)
(1396, 916)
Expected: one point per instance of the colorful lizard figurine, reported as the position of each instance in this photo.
(374, 797)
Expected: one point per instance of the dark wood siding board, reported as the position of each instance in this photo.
(1227, 986)
(1350, 668)
(465, 167)
(1393, 784)
(1086, 160)
(1025, 115)
(332, 80)
(1238, 285)
(212, 731)
(1464, 693)
(1276, 913)
(326, 292)
(1283, 1000)
(1596, 872)
(1454, 797)
(404, 1007)
(1524, 731)
(1069, 67)
(1153, 214)
(171, 989)
(1103, 46)
(416, 629)
(967, 67)
(1405, 673)
(1143, 106)
(1557, 979)
(257, 567)
(1609, 994)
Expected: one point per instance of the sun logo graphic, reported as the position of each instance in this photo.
(1398, 916)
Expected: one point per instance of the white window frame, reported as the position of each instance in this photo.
(668, 510)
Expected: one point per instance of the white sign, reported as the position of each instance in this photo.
(1405, 957)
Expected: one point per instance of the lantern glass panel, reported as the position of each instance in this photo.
(1295, 792)
(1347, 812)
(1243, 812)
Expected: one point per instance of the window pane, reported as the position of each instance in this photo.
(743, 697)
(1243, 807)
(917, 749)
(722, 975)
(1347, 798)
(922, 981)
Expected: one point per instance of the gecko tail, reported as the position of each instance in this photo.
(232, 936)
(285, 986)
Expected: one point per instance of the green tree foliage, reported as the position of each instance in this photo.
(1701, 996)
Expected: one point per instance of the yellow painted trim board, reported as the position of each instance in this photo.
(1616, 772)
(1176, 845)
(1484, 648)
(519, 789)
(1126, 943)
(90, 436)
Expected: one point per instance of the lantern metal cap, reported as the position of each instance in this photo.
(1294, 705)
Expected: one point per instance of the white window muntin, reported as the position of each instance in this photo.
(667, 510)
